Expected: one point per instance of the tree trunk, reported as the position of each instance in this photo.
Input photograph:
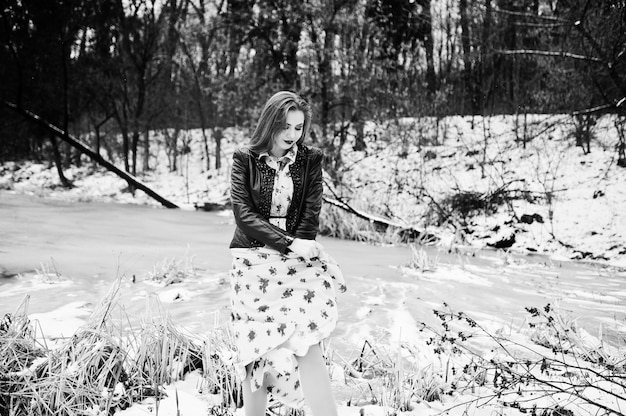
(97, 129)
(133, 150)
(325, 74)
(58, 163)
(291, 28)
(485, 61)
(146, 154)
(199, 97)
(76, 154)
(56, 132)
(66, 155)
(205, 147)
(66, 104)
(125, 147)
(359, 138)
(97, 143)
(506, 69)
(171, 146)
(218, 135)
(431, 77)
(97, 126)
(467, 55)
(621, 152)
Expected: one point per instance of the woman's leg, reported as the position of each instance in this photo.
(316, 383)
(254, 403)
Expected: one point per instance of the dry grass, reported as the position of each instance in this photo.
(48, 272)
(218, 370)
(171, 271)
(393, 377)
(159, 353)
(106, 365)
(421, 260)
(19, 353)
(77, 377)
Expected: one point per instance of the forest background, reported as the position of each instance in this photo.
(112, 68)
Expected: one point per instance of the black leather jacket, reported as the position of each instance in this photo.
(251, 185)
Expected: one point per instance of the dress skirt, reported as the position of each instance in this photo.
(281, 305)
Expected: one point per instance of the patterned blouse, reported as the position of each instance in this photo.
(283, 185)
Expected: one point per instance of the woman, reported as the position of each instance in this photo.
(283, 283)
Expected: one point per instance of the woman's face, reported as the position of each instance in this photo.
(290, 134)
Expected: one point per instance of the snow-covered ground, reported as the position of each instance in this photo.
(88, 244)
(561, 201)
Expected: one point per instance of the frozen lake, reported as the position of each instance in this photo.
(90, 244)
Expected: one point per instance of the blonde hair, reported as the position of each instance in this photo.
(273, 119)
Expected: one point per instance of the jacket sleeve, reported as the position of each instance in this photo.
(309, 222)
(247, 217)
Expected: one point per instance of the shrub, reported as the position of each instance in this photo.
(555, 375)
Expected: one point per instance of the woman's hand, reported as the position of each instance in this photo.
(306, 248)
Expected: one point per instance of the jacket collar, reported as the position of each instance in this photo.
(291, 155)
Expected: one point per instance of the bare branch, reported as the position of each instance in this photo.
(609, 65)
(549, 53)
(594, 110)
(544, 17)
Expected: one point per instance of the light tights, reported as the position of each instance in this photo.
(315, 386)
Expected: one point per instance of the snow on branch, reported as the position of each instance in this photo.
(549, 53)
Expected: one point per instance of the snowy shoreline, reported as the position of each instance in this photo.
(545, 196)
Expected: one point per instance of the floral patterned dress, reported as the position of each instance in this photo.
(281, 303)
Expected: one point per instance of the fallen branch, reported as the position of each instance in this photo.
(384, 223)
(66, 137)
